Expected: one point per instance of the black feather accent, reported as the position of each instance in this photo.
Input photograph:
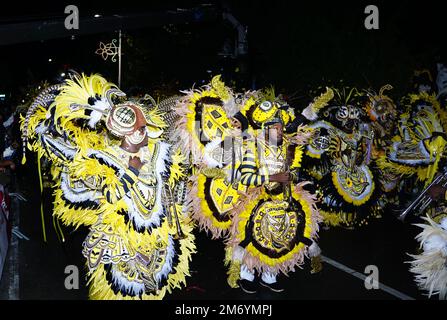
(91, 101)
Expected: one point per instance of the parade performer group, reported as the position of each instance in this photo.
(245, 167)
(338, 157)
(246, 153)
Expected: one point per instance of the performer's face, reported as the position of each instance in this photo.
(275, 134)
(236, 124)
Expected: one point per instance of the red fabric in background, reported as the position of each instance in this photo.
(5, 203)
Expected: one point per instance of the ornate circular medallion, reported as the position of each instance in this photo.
(275, 226)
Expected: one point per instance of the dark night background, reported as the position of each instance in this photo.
(295, 45)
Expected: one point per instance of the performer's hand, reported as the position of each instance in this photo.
(282, 177)
(135, 162)
(436, 192)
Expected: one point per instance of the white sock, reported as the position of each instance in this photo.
(268, 277)
(246, 274)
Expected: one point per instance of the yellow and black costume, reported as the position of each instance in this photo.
(417, 150)
(382, 113)
(205, 132)
(338, 158)
(275, 225)
(140, 244)
(229, 190)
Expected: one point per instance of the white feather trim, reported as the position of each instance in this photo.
(309, 114)
(95, 116)
(8, 122)
(230, 106)
(162, 158)
(314, 250)
(430, 267)
(157, 211)
(434, 243)
(8, 152)
(137, 288)
(101, 107)
(61, 146)
(207, 158)
(41, 129)
(77, 195)
(167, 266)
(133, 287)
(443, 223)
(238, 253)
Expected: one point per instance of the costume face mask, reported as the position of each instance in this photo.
(348, 115)
(349, 112)
(126, 120)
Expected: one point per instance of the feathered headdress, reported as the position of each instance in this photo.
(380, 104)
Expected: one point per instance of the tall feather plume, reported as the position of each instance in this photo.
(429, 267)
(43, 99)
(311, 112)
(79, 94)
